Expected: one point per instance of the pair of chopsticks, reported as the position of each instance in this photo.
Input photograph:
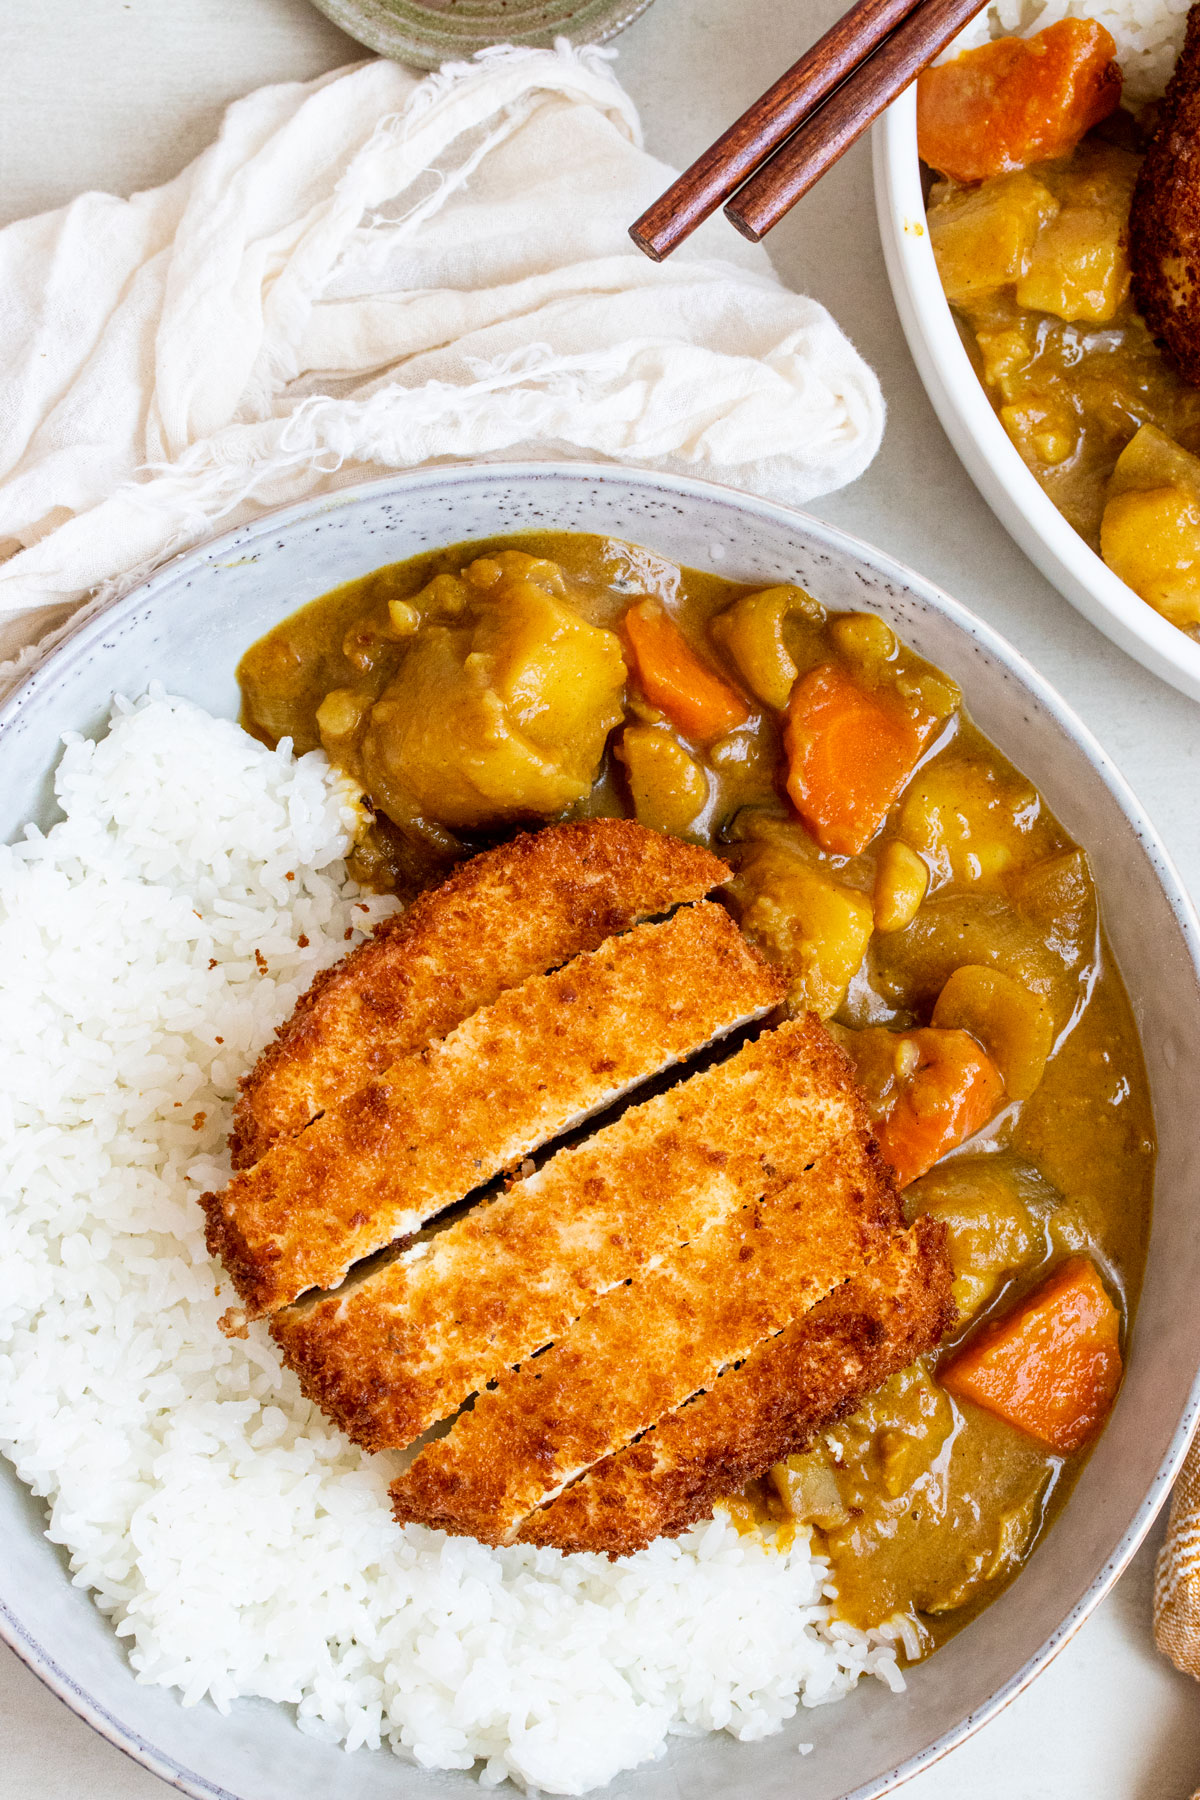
(783, 144)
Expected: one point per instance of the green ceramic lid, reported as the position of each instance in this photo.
(426, 33)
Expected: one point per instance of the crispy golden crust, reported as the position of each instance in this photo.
(509, 913)
(443, 1121)
(393, 1353)
(1164, 219)
(643, 1350)
(773, 1405)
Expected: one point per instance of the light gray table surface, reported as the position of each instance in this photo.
(119, 94)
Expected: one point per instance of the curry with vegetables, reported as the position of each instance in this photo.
(919, 898)
(1043, 186)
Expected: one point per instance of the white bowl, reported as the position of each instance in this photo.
(187, 627)
(972, 426)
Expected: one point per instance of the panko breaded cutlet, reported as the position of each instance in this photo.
(660, 1312)
(1164, 218)
(508, 913)
(389, 1355)
(443, 1121)
(772, 1405)
(643, 1350)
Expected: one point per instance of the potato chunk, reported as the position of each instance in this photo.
(901, 883)
(339, 716)
(992, 1231)
(898, 1432)
(1150, 532)
(908, 1444)
(501, 718)
(1151, 539)
(983, 237)
(971, 824)
(808, 1489)
(1012, 1023)
(801, 917)
(1079, 264)
(668, 787)
(763, 633)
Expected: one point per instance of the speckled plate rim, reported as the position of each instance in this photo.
(402, 40)
(88, 638)
(983, 445)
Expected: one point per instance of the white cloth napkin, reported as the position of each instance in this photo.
(370, 271)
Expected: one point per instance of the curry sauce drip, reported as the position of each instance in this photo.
(933, 905)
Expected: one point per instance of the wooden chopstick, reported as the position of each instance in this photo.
(716, 175)
(828, 133)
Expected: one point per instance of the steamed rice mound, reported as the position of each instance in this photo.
(149, 944)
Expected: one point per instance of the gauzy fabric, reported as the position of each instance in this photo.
(371, 271)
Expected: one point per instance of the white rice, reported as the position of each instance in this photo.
(1149, 33)
(239, 1543)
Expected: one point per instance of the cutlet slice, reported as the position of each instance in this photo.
(392, 1353)
(515, 1075)
(644, 1349)
(1164, 218)
(772, 1405)
(509, 913)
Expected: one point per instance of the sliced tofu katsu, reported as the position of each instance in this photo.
(509, 913)
(772, 1405)
(403, 1347)
(438, 1124)
(644, 1349)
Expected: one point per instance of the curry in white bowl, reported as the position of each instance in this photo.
(1057, 218)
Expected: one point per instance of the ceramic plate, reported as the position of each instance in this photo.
(186, 627)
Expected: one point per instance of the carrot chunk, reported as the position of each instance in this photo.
(949, 1091)
(849, 754)
(1017, 100)
(1052, 1365)
(696, 701)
